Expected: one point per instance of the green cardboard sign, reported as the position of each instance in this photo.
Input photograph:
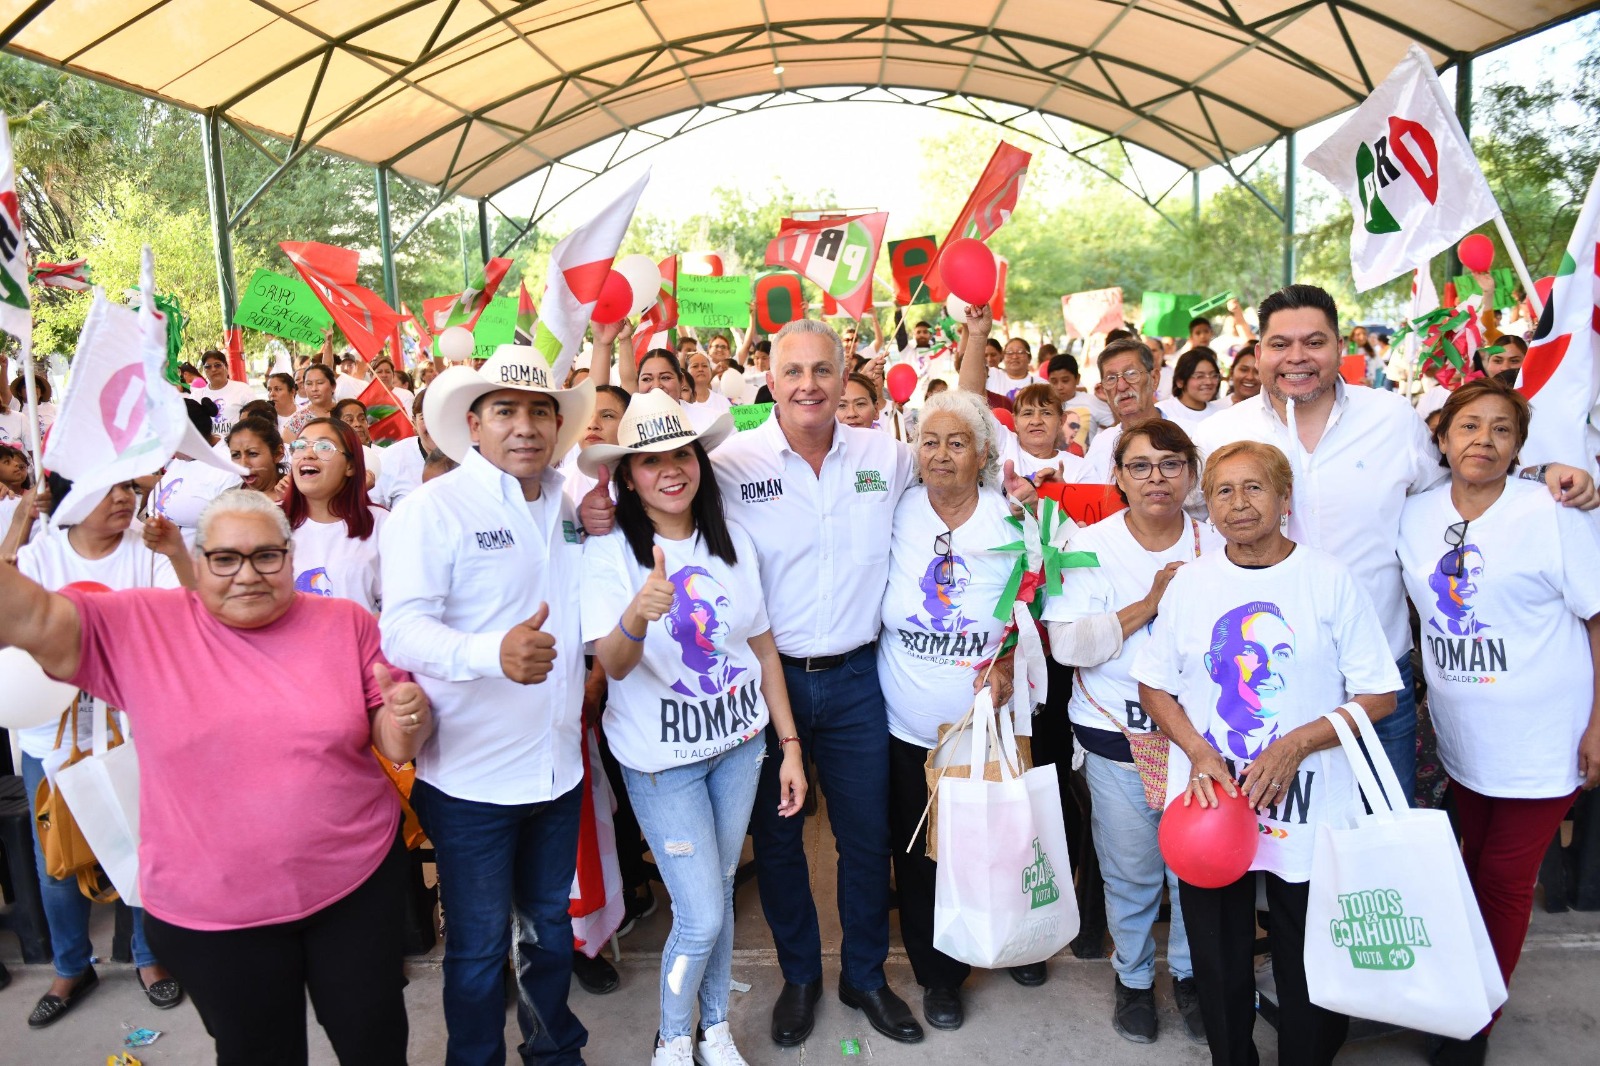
(496, 326)
(284, 307)
(750, 415)
(1167, 314)
(715, 303)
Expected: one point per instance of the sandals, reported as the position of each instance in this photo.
(50, 1008)
(164, 994)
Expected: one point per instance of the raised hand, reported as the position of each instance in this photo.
(163, 537)
(608, 332)
(655, 598)
(1018, 487)
(527, 652)
(596, 511)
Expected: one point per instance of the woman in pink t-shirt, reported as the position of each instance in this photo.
(270, 861)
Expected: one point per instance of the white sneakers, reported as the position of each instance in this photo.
(717, 1048)
(678, 1051)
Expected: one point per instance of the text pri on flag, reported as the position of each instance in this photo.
(838, 254)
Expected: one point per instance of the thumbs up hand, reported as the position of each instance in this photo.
(527, 653)
(403, 701)
(655, 598)
(596, 512)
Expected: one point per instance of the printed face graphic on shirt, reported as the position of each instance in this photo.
(698, 622)
(1453, 611)
(314, 581)
(1251, 658)
(943, 585)
(165, 495)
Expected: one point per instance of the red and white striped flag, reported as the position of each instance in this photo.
(73, 275)
(362, 316)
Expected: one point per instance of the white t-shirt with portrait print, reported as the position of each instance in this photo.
(232, 396)
(185, 490)
(1124, 575)
(14, 429)
(1002, 384)
(934, 634)
(696, 692)
(1504, 647)
(330, 562)
(1250, 656)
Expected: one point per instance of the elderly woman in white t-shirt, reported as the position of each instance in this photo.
(1098, 624)
(1506, 583)
(673, 610)
(1253, 645)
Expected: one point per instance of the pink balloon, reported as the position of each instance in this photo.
(616, 300)
(969, 270)
(1476, 252)
(902, 382)
(1209, 847)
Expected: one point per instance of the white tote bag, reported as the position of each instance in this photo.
(1393, 931)
(1004, 894)
(102, 792)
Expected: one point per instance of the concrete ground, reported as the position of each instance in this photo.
(1553, 1018)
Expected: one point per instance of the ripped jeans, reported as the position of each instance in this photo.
(694, 818)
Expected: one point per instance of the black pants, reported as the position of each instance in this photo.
(1222, 930)
(1053, 746)
(250, 985)
(915, 874)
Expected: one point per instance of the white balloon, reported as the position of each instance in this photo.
(732, 385)
(31, 696)
(456, 343)
(956, 307)
(644, 278)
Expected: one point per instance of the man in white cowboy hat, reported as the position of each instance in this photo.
(480, 572)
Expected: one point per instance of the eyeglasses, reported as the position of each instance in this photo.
(1205, 377)
(1132, 377)
(1140, 469)
(264, 561)
(945, 572)
(1455, 560)
(322, 446)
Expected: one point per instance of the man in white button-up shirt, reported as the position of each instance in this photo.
(480, 572)
(1356, 454)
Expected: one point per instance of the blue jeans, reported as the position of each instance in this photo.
(1125, 839)
(695, 818)
(504, 869)
(66, 909)
(840, 718)
(1398, 732)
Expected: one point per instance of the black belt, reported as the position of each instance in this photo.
(822, 662)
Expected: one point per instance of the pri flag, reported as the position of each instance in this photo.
(651, 332)
(120, 419)
(909, 261)
(387, 421)
(469, 303)
(839, 254)
(527, 315)
(73, 275)
(1093, 311)
(362, 316)
(1559, 376)
(991, 202)
(1409, 173)
(15, 316)
(578, 268)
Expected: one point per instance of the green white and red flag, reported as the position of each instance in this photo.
(988, 207)
(651, 332)
(469, 303)
(418, 330)
(361, 315)
(838, 254)
(1561, 376)
(1408, 170)
(578, 268)
(73, 275)
(527, 315)
(387, 421)
(16, 315)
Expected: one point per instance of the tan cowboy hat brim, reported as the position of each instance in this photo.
(592, 458)
(457, 388)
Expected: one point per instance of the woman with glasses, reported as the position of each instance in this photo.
(270, 861)
(1098, 624)
(336, 542)
(1506, 583)
(1196, 380)
(938, 625)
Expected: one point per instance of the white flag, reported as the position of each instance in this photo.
(578, 268)
(1409, 173)
(120, 419)
(15, 317)
(1559, 375)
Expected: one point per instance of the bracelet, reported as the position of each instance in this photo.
(1535, 473)
(624, 630)
(785, 740)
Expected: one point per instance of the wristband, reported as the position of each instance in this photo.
(785, 740)
(624, 631)
(1535, 473)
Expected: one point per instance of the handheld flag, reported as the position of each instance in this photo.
(73, 275)
(362, 316)
(908, 263)
(988, 206)
(1559, 377)
(663, 314)
(839, 254)
(527, 315)
(16, 316)
(387, 421)
(578, 268)
(469, 303)
(1092, 311)
(1408, 171)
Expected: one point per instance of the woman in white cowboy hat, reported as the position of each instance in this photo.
(674, 612)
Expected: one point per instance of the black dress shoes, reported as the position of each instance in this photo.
(942, 1007)
(795, 1012)
(885, 1011)
(1032, 975)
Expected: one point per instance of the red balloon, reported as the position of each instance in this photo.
(616, 300)
(1476, 252)
(1209, 847)
(1543, 287)
(1002, 416)
(969, 270)
(902, 382)
(86, 586)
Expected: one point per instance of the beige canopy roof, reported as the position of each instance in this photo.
(473, 95)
